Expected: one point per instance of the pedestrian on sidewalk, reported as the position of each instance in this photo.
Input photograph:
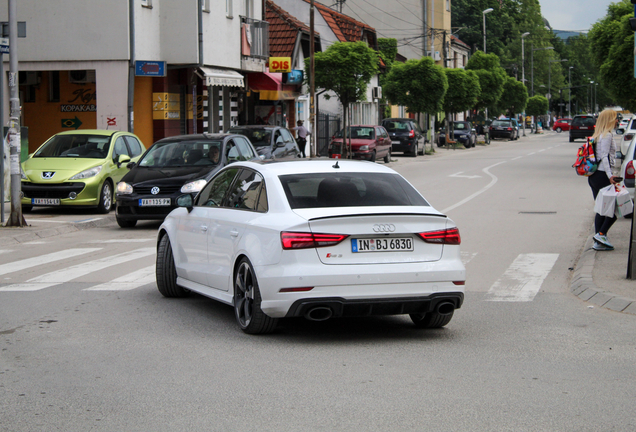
(605, 152)
(302, 136)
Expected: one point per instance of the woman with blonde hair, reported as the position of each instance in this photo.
(605, 151)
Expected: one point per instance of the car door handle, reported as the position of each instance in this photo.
(234, 233)
(204, 228)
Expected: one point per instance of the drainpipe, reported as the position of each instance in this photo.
(131, 67)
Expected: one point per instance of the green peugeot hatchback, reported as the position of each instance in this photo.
(78, 168)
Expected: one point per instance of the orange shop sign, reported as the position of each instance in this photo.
(280, 64)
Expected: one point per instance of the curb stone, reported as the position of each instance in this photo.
(582, 284)
(19, 235)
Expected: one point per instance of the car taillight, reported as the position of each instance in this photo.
(630, 171)
(412, 134)
(301, 240)
(448, 236)
(628, 137)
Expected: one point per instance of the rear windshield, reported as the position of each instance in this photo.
(182, 153)
(358, 132)
(461, 126)
(75, 146)
(583, 121)
(349, 190)
(258, 137)
(397, 126)
(501, 123)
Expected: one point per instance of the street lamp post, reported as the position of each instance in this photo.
(487, 11)
(595, 99)
(550, 83)
(532, 63)
(589, 96)
(570, 91)
(523, 75)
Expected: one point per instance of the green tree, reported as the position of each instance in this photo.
(514, 97)
(462, 95)
(346, 68)
(491, 78)
(612, 46)
(419, 85)
(537, 106)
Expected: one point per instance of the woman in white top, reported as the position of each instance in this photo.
(605, 151)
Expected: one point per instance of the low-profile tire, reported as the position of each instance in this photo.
(559, 130)
(571, 139)
(387, 157)
(431, 320)
(126, 223)
(247, 302)
(166, 273)
(105, 198)
(414, 151)
(372, 159)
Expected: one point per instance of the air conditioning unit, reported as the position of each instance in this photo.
(29, 78)
(81, 76)
(377, 92)
(435, 55)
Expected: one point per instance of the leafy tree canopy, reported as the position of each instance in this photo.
(463, 90)
(419, 85)
(491, 78)
(514, 97)
(537, 105)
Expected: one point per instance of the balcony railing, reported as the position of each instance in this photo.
(254, 38)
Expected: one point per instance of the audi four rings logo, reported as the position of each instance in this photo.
(48, 174)
(154, 190)
(383, 228)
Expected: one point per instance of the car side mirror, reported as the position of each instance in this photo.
(280, 144)
(185, 201)
(122, 159)
(131, 165)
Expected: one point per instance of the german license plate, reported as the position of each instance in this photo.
(154, 202)
(45, 201)
(391, 244)
(395, 142)
(583, 127)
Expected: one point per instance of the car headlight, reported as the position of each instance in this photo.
(193, 187)
(364, 147)
(23, 175)
(124, 188)
(87, 174)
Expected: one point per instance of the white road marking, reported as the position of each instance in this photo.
(127, 282)
(479, 192)
(43, 259)
(3, 251)
(67, 274)
(459, 174)
(523, 279)
(467, 256)
(121, 241)
(518, 157)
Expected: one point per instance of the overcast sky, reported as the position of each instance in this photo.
(573, 14)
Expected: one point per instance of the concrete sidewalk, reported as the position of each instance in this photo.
(600, 276)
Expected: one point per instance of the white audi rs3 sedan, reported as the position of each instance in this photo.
(318, 239)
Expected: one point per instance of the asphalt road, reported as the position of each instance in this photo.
(98, 349)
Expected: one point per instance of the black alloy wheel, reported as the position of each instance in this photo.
(247, 302)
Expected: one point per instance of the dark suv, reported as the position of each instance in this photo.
(503, 128)
(406, 135)
(582, 126)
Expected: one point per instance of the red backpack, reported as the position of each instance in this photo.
(586, 163)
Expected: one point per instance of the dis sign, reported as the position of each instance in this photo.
(280, 64)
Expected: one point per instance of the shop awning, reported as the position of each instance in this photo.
(270, 86)
(220, 77)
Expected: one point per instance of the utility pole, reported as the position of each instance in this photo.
(631, 260)
(312, 86)
(16, 218)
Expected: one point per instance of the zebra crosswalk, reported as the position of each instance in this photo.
(520, 282)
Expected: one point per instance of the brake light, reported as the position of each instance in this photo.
(630, 171)
(412, 133)
(300, 240)
(628, 137)
(509, 128)
(448, 236)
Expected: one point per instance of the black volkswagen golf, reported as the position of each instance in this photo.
(174, 166)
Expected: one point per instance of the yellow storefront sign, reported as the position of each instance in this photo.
(280, 64)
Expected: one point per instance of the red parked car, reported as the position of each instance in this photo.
(368, 142)
(562, 125)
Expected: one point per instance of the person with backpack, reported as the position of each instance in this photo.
(605, 151)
